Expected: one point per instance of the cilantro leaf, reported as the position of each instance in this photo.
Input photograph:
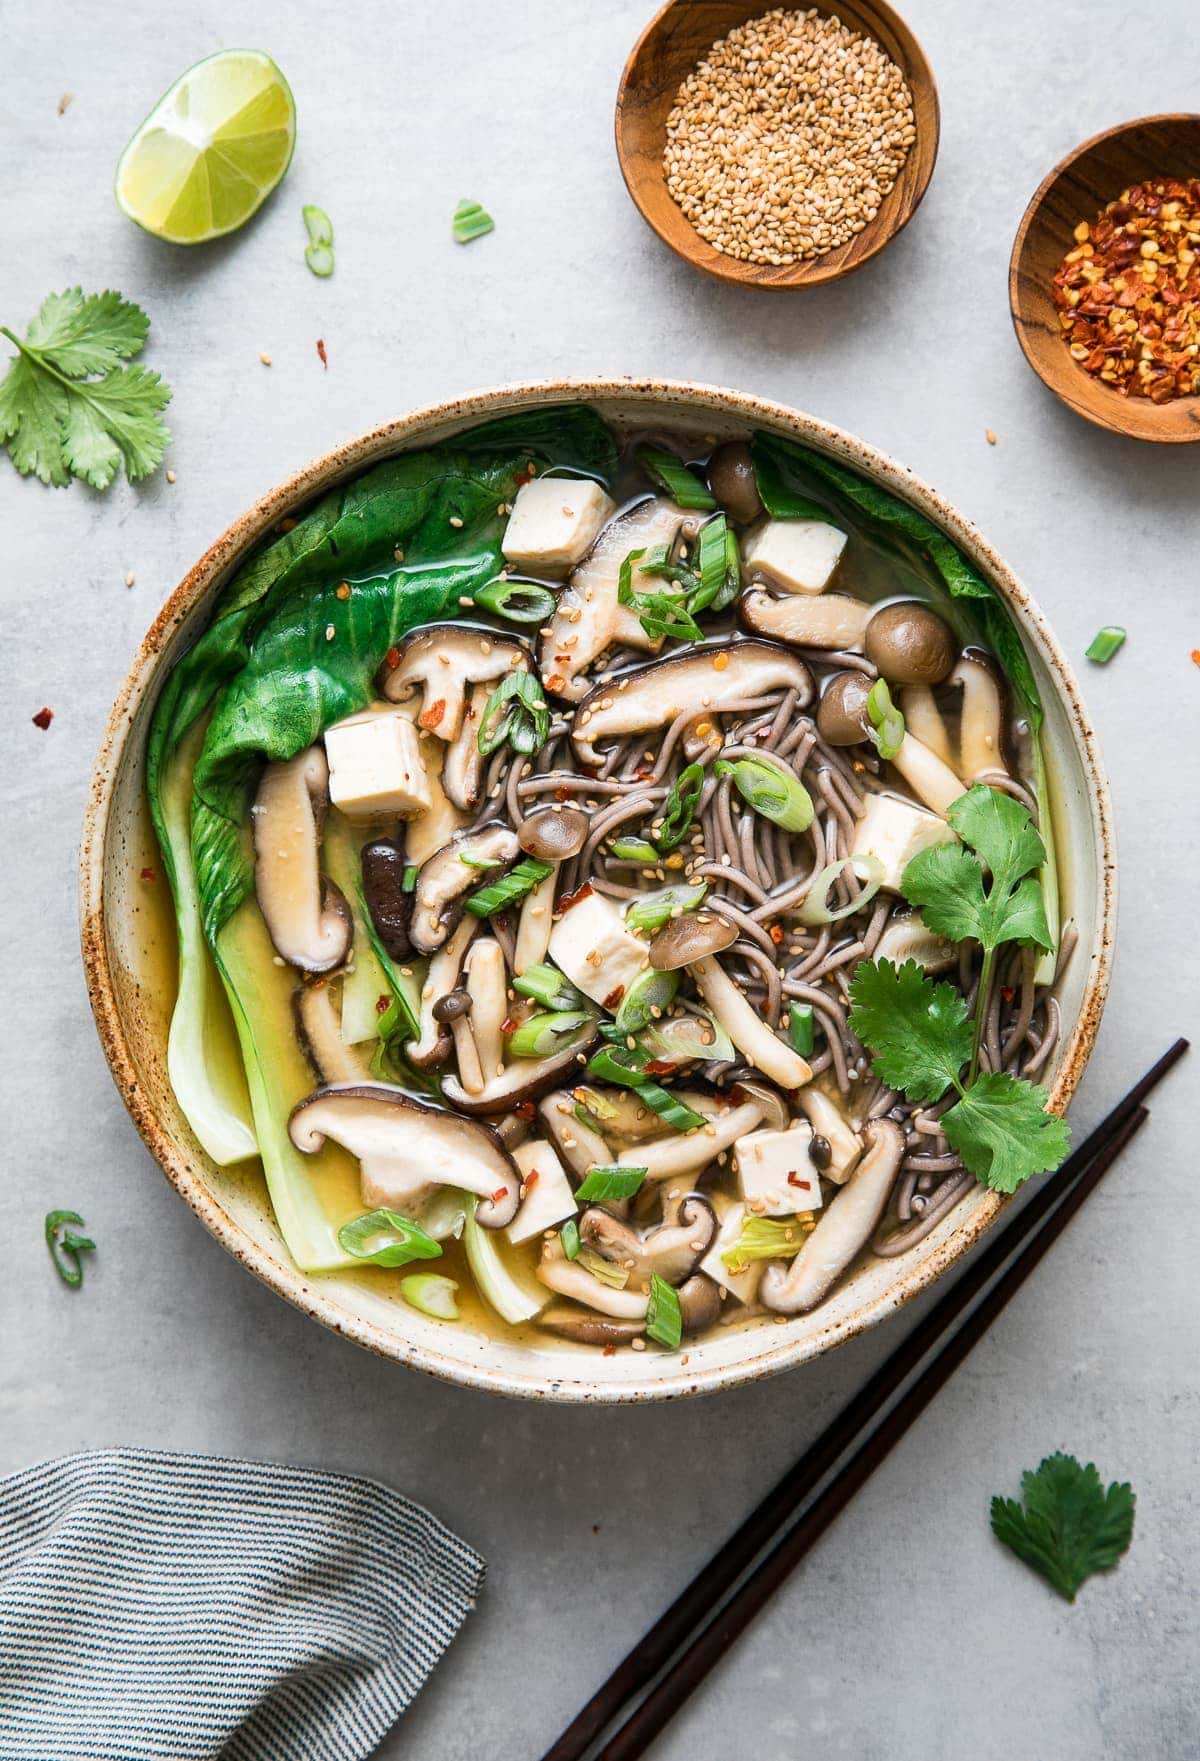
(920, 1032)
(1002, 1131)
(948, 882)
(56, 420)
(1068, 1526)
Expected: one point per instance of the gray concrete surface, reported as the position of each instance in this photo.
(909, 1634)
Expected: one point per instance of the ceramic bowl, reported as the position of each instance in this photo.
(123, 943)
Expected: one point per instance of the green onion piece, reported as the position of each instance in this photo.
(470, 221)
(546, 985)
(887, 724)
(543, 1035)
(569, 1236)
(1104, 644)
(720, 568)
(687, 1039)
(664, 1317)
(410, 877)
(647, 997)
(320, 260)
(616, 1277)
(623, 1066)
(469, 861)
(766, 1238)
(509, 888)
(383, 1238)
(432, 1294)
(671, 474)
(815, 909)
(652, 910)
(319, 255)
(679, 808)
(800, 1028)
(611, 1181)
(522, 602)
(670, 1109)
(66, 1246)
(634, 850)
(596, 1104)
(771, 788)
(516, 711)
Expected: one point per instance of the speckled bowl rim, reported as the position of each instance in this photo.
(214, 567)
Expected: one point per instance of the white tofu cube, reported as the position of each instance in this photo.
(548, 1197)
(797, 555)
(907, 938)
(591, 944)
(744, 1284)
(554, 523)
(375, 766)
(894, 830)
(775, 1174)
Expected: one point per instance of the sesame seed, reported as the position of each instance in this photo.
(265, 359)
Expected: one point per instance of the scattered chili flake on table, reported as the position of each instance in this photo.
(1128, 293)
(321, 351)
(43, 718)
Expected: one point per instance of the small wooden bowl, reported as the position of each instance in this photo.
(670, 47)
(1078, 189)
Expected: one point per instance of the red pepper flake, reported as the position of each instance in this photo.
(523, 476)
(321, 351)
(343, 590)
(614, 996)
(776, 934)
(531, 1179)
(147, 874)
(500, 1192)
(1195, 657)
(509, 1024)
(382, 1005)
(525, 1109)
(795, 1179)
(392, 658)
(609, 1351)
(644, 772)
(569, 899)
(1007, 992)
(562, 793)
(659, 1067)
(429, 718)
(43, 718)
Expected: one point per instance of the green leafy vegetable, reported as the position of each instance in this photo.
(522, 602)
(679, 808)
(664, 1317)
(516, 712)
(471, 221)
(548, 986)
(609, 1182)
(1067, 1526)
(384, 1238)
(569, 1236)
(66, 1246)
(319, 254)
(765, 1238)
(673, 476)
(514, 885)
(771, 788)
(544, 1035)
(887, 724)
(68, 407)
(432, 1294)
(1104, 644)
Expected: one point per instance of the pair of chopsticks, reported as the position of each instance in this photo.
(673, 1658)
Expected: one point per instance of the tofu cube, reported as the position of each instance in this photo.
(798, 555)
(591, 944)
(827, 1121)
(554, 523)
(548, 1197)
(744, 1284)
(907, 938)
(775, 1174)
(894, 831)
(375, 767)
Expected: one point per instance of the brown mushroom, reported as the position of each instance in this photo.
(910, 644)
(390, 907)
(983, 717)
(525, 1079)
(454, 1011)
(571, 1322)
(433, 1044)
(672, 1250)
(469, 860)
(554, 834)
(806, 620)
(699, 1303)
(842, 712)
(732, 480)
(845, 1226)
(443, 661)
(462, 769)
(319, 1031)
(691, 936)
(307, 917)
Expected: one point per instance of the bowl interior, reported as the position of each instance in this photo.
(1158, 146)
(128, 938)
(670, 47)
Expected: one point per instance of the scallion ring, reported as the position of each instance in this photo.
(867, 868)
(772, 789)
(384, 1238)
(522, 602)
(887, 724)
(646, 999)
(543, 1035)
(431, 1294)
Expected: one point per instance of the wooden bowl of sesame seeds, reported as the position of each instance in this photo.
(1069, 200)
(827, 194)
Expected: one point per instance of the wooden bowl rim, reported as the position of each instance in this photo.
(1023, 325)
(813, 272)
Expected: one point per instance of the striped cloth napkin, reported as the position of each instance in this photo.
(158, 1607)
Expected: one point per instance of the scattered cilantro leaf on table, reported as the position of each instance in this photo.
(68, 405)
(1068, 1526)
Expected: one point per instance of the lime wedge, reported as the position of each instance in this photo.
(212, 149)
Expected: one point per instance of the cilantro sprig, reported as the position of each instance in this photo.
(68, 407)
(1067, 1526)
(921, 1033)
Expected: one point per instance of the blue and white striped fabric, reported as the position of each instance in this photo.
(158, 1607)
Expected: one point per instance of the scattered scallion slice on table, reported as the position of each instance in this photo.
(319, 254)
(1105, 643)
(673, 476)
(471, 221)
(664, 1316)
(66, 1246)
(384, 1238)
(610, 1182)
(509, 888)
(432, 1294)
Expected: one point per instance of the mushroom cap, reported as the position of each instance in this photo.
(690, 937)
(454, 1006)
(699, 1303)
(842, 712)
(554, 835)
(445, 878)
(910, 644)
(443, 660)
(775, 1114)
(390, 907)
(732, 480)
(673, 1249)
(582, 1327)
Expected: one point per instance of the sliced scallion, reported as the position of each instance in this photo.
(319, 254)
(432, 1294)
(66, 1246)
(384, 1238)
(634, 850)
(887, 723)
(646, 998)
(672, 475)
(569, 1236)
(522, 602)
(516, 712)
(409, 880)
(664, 1316)
(548, 986)
(1104, 644)
(688, 1038)
(772, 789)
(470, 221)
(624, 1067)
(815, 909)
(800, 1028)
(509, 888)
(720, 567)
(609, 1182)
(679, 808)
(544, 1035)
(652, 910)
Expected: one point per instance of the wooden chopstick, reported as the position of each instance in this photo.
(695, 1604)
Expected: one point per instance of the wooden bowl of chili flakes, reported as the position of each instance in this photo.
(1104, 280)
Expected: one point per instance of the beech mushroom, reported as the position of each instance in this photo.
(383, 864)
(306, 916)
(318, 1028)
(569, 1278)
(685, 1154)
(525, 1079)
(553, 835)
(580, 1147)
(908, 938)
(487, 986)
(690, 937)
(746, 1028)
(924, 720)
(469, 860)
(842, 718)
(733, 482)
(700, 680)
(442, 661)
(844, 1228)
(583, 1328)
(982, 717)
(433, 1044)
(699, 1303)
(834, 1130)
(672, 1250)
(807, 620)
(404, 1145)
(910, 644)
(453, 1011)
(929, 778)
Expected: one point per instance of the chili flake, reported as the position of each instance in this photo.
(1128, 292)
(43, 718)
(321, 351)
(146, 874)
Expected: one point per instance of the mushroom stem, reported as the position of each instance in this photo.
(664, 1158)
(923, 718)
(432, 1045)
(926, 775)
(845, 1227)
(306, 916)
(807, 620)
(487, 978)
(536, 923)
(466, 1053)
(565, 1276)
(981, 727)
(749, 1033)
